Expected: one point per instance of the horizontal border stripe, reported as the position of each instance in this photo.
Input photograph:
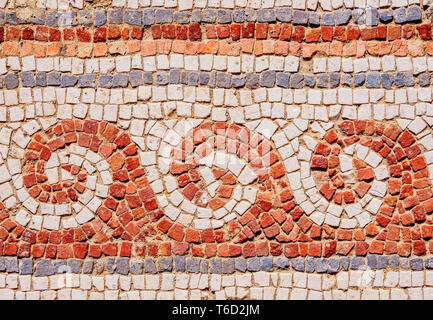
(193, 32)
(210, 265)
(214, 79)
(353, 48)
(150, 16)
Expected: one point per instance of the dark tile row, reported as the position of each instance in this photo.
(125, 266)
(150, 16)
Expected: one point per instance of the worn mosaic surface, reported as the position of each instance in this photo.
(216, 149)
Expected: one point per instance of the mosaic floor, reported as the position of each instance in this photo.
(216, 149)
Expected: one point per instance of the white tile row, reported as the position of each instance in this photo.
(359, 284)
(134, 117)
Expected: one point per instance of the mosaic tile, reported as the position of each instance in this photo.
(220, 149)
